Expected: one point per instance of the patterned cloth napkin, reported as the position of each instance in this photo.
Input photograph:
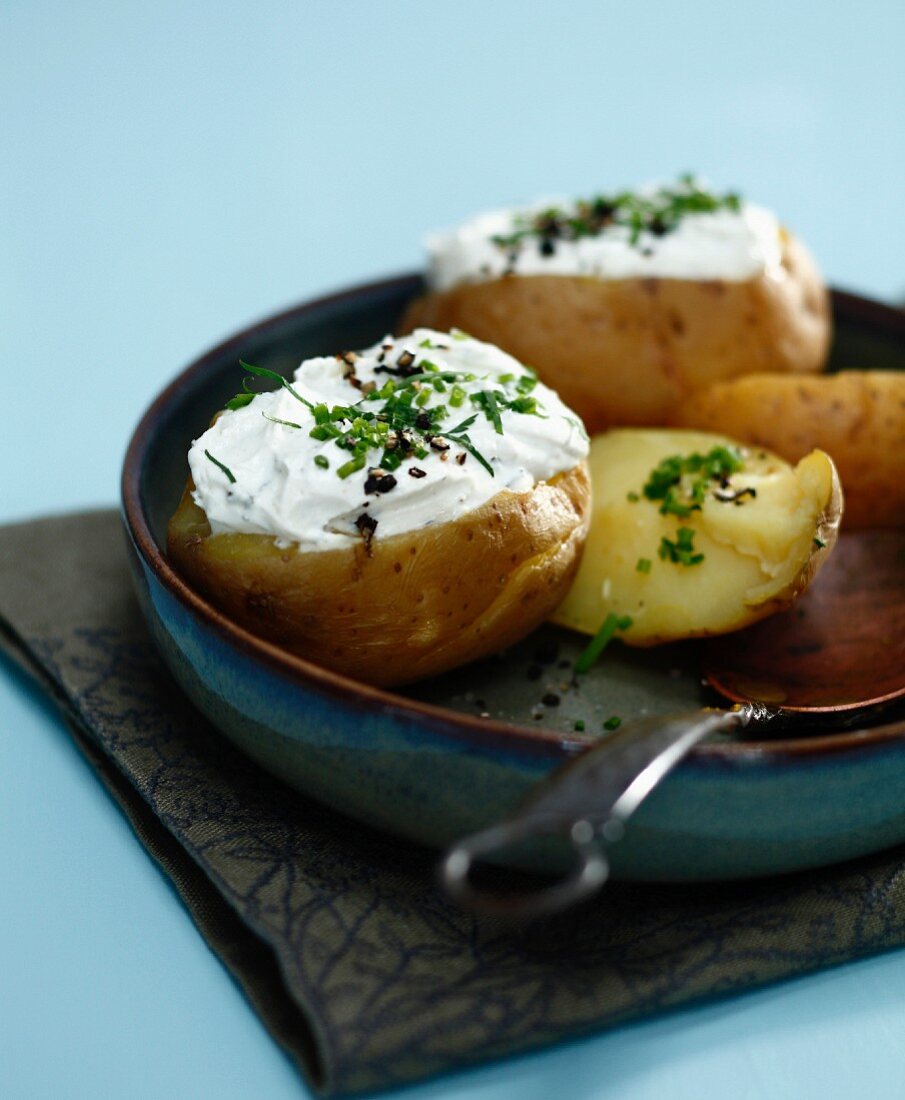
(359, 968)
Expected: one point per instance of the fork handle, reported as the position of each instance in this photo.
(589, 800)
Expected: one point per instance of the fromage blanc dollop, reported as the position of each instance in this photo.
(413, 431)
(678, 232)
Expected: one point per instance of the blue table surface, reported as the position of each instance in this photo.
(169, 172)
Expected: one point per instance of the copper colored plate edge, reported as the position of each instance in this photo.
(446, 723)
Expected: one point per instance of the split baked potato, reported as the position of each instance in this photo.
(692, 535)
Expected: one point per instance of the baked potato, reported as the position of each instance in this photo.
(858, 417)
(347, 519)
(693, 535)
(626, 332)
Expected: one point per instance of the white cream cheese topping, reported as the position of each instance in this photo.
(734, 245)
(287, 481)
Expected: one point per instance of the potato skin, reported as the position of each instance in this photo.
(420, 603)
(857, 417)
(758, 556)
(626, 351)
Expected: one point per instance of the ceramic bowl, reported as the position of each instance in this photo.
(443, 759)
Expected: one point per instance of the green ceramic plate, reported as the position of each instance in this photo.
(450, 756)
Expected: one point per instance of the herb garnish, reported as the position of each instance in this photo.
(276, 420)
(404, 427)
(244, 398)
(486, 401)
(459, 435)
(240, 400)
(682, 550)
(612, 723)
(656, 213)
(601, 639)
(681, 481)
(356, 463)
(230, 476)
(410, 421)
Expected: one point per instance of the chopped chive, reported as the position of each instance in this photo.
(466, 444)
(680, 482)
(276, 420)
(632, 497)
(463, 425)
(527, 405)
(407, 425)
(431, 374)
(263, 372)
(322, 461)
(656, 214)
(230, 476)
(356, 463)
(819, 543)
(612, 723)
(681, 550)
(239, 401)
(487, 402)
(643, 565)
(579, 726)
(601, 639)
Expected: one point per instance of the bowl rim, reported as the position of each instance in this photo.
(452, 725)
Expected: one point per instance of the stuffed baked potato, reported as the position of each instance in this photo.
(628, 303)
(392, 513)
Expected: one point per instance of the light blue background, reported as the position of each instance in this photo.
(169, 172)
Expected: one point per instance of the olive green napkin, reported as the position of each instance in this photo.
(360, 969)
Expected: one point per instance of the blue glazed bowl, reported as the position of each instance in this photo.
(423, 764)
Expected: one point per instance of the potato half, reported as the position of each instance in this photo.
(625, 351)
(759, 553)
(856, 416)
(416, 604)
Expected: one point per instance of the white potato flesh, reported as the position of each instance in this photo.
(759, 554)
